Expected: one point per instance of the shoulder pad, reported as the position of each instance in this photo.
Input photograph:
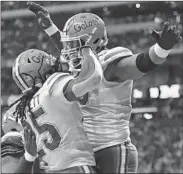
(108, 56)
(53, 79)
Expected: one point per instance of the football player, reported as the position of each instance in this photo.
(9, 123)
(12, 149)
(13, 158)
(16, 152)
(49, 107)
(108, 109)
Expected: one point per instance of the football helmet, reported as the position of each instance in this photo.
(13, 138)
(10, 124)
(83, 29)
(31, 68)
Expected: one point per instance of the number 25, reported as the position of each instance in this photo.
(56, 138)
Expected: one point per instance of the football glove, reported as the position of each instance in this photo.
(42, 14)
(168, 37)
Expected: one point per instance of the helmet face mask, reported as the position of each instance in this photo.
(71, 52)
(71, 44)
(32, 81)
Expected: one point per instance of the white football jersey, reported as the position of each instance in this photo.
(108, 110)
(61, 140)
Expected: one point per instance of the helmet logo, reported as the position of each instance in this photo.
(85, 24)
(37, 58)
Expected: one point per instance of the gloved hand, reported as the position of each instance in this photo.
(42, 14)
(168, 37)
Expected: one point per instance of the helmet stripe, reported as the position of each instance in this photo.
(17, 73)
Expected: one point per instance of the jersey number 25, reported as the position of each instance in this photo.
(55, 136)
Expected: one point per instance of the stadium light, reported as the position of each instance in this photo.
(154, 92)
(174, 91)
(148, 116)
(137, 93)
(137, 5)
(169, 92)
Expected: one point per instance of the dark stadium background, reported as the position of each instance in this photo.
(157, 119)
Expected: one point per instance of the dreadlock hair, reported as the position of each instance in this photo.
(24, 101)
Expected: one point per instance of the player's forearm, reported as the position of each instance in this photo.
(26, 163)
(137, 65)
(25, 166)
(55, 35)
(90, 76)
(80, 89)
(149, 60)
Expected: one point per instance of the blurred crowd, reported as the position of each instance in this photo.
(13, 5)
(159, 140)
(159, 143)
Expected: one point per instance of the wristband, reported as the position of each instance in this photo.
(29, 157)
(160, 51)
(51, 30)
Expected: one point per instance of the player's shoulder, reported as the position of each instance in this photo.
(53, 79)
(109, 55)
(55, 83)
(114, 50)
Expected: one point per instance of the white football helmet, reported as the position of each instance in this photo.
(80, 30)
(30, 68)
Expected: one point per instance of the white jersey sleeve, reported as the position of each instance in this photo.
(108, 56)
(56, 84)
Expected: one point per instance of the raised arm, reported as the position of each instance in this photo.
(27, 161)
(65, 87)
(133, 67)
(89, 77)
(46, 23)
